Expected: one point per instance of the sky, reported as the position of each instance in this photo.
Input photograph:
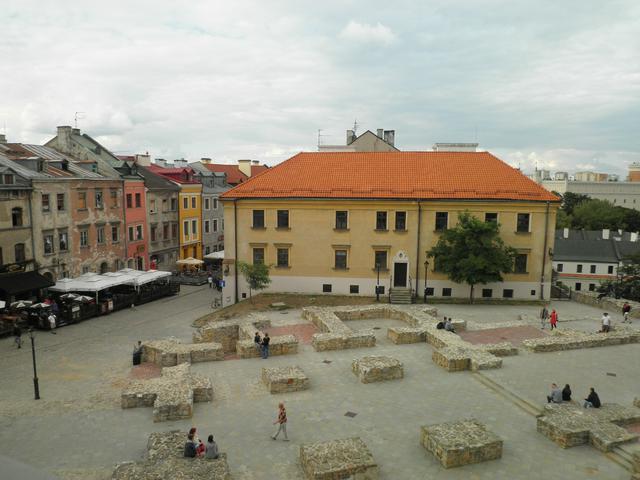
(553, 84)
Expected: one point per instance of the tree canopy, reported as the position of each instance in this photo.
(581, 212)
(473, 253)
(627, 284)
(256, 275)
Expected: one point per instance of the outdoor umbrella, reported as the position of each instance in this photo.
(21, 304)
(69, 296)
(190, 261)
(40, 305)
(84, 298)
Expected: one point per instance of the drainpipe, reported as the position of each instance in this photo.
(544, 251)
(33, 242)
(418, 248)
(125, 229)
(235, 246)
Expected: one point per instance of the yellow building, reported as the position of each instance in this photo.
(325, 220)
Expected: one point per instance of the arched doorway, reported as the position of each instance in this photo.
(104, 267)
(400, 270)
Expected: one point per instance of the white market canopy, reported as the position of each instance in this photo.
(190, 261)
(95, 282)
(215, 255)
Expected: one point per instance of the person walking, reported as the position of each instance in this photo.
(553, 319)
(265, 346)
(544, 316)
(17, 332)
(210, 280)
(282, 423)
(592, 401)
(626, 308)
(606, 323)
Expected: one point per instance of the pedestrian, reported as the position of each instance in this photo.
(210, 281)
(257, 341)
(592, 400)
(606, 323)
(556, 394)
(212, 449)
(137, 353)
(566, 393)
(544, 316)
(265, 345)
(282, 423)
(17, 332)
(52, 321)
(626, 308)
(553, 319)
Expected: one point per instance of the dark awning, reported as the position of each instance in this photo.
(13, 283)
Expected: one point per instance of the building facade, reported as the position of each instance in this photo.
(325, 220)
(213, 185)
(621, 194)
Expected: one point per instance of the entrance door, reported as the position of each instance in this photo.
(399, 274)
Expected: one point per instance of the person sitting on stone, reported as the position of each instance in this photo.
(566, 393)
(440, 325)
(190, 447)
(212, 449)
(556, 394)
(593, 400)
(448, 326)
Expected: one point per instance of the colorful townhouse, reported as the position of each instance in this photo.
(329, 222)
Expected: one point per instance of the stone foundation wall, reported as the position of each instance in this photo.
(573, 339)
(606, 303)
(170, 352)
(280, 345)
(338, 459)
(377, 369)
(285, 379)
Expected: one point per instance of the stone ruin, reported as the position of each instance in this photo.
(566, 339)
(165, 460)
(236, 336)
(569, 425)
(285, 379)
(336, 459)
(171, 395)
(635, 465)
(377, 369)
(171, 351)
(460, 443)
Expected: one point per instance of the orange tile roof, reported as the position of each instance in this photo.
(234, 175)
(402, 175)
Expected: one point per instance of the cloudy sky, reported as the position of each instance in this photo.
(555, 83)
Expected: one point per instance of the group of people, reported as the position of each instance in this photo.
(194, 447)
(564, 395)
(446, 324)
(213, 281)
(545, 317)
(262, 344)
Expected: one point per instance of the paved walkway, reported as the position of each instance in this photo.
(78, 430)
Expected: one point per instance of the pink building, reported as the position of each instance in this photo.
(135, 217)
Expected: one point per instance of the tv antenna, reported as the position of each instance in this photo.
(355, 126)
(76, 117)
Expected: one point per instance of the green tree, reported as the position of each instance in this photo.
(571, 200)
(563, 220)
(473, 253)
(256, 275)
(598, 214)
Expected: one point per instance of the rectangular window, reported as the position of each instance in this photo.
(153, 232)
(507, 293)
(60, 201)
(492, 217)
(578, 287)
(84, 238)
(215, 203)
(207, 203)
(258, 255)
(487, 293)
(174, 204)
(579, 268)
(326, 288)
(593, 269)
(100, 235)
(381, 220)
(446, 292)
(560, 267)
(442, 221)
(206, 226)
(520, 265)
(354, 288)
(215, 225)
(341, 259)
(283, 218)
(174, 231)
(8, 179)
(152, 205)
(82, 200)
(401, 221)
(523, 221)
(380, 259)
(19, 252)
(193, 202)
(185, 203)
(131, 234)
(207, 250)
(63, 241)
(165, 204)
(99, 203)
(194, 229)
(258, 219)
(185, 227)
(46, 207)
(610, 269)
(129, 200)
(48, 243)
(283, 257)
(115, 234)
(592, 287)
(342, 220)
(138, 200)
(165, 231)
(114, 197)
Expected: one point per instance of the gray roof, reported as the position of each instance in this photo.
(589, 246)
(48, 153)
(20, 170)
(153, 181)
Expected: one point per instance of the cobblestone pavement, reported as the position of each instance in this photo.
(78, 430)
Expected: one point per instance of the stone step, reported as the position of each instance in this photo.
(623, 456)
(517, 400)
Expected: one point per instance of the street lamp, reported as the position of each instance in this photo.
(36, 387)
(426, 271)
(378, 282)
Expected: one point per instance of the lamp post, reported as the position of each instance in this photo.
(378, 282)
(426, 271)
(36, 387)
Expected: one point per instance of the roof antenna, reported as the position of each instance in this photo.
(76, 117)
(355, 126)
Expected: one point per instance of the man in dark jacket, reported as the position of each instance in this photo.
(265, 345)
(592, 401)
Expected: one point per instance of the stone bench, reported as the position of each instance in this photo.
(285, 379)
(338, 459)
(165, 460)
(171, 395)
(170, 352)
(377, 369)
(460, 443)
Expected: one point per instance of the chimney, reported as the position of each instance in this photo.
(390, 136)
(255, 162)
(351, 136)
(565, 233)
(634, 236)
(3, 138)
(245, 167)
(205, 160)
(144, 160)
(75, 131)
(180, 163)
(605, 234)
(161, 162)
(380, 132)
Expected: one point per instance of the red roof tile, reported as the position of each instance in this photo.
(178, 175)
(410, 175)
(234, 175)
(256, 169)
